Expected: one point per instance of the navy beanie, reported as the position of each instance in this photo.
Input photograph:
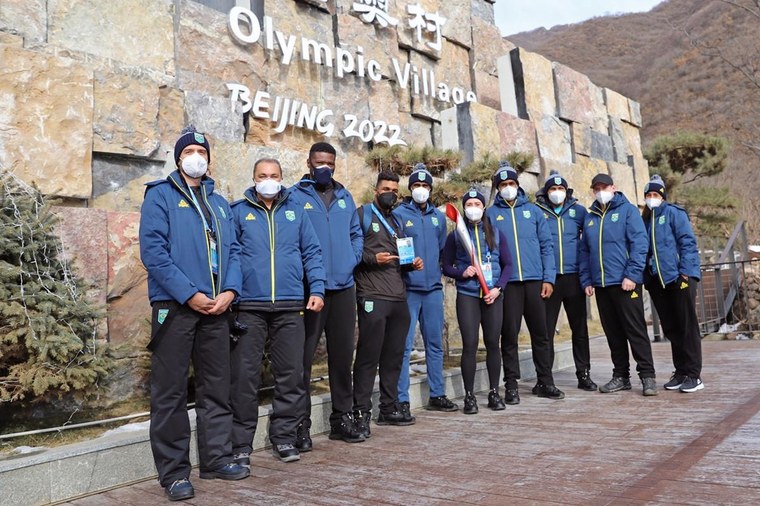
(472, 193)
(503, 173)
(554, 179)
(656, 184)
(420, 175)
(188, 137)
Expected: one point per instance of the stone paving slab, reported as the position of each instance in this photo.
(589, 448)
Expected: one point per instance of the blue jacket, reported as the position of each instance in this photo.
(672, 245)
(528, 236)
(428, 229)
(566, 227)
(614, 244)
(174, 245)
(338, 230)
(277, 250)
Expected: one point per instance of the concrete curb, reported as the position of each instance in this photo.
(114, 460)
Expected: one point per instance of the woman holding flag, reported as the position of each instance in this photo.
(477, 256)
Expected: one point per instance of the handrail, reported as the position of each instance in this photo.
(738, 229)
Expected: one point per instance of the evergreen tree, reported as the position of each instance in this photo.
(47, 327)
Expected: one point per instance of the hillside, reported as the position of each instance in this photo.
(649, 57)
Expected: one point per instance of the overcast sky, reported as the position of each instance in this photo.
(515, 16)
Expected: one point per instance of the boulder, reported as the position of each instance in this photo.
(617, 105)
(553, 136)
(27, 18)
(574, 95)
(534, 85)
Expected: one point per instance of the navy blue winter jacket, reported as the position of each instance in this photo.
(566, 227)
(338, 230)
(672, 246)
(174, 245)
(277, 249)
(428, 228)
(528, 236)
(614, 244)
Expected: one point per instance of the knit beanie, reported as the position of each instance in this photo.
(188, 137)
(656, 184)
(503, 173)
(420, 175)
(554, 179)
(472, 193)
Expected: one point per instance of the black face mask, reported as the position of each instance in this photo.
(386, 200)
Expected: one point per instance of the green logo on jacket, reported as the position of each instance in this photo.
(342, 204)
(434, 219)
(375, 227)
(526, 214)
(368, 306)
(571, 212)
(661, 221)
(290, 215)
(615, 217)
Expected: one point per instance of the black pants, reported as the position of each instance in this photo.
(472, 313)
(338, 321)
(675, 304)
(285, 331)
(524, 299)
(383, 325)
(622, 316)
(180, 335)
(568, 292)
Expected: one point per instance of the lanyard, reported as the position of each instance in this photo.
(198, 206)
(477, 241)
(385, 223)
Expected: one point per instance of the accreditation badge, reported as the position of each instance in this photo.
(405, 247)
(214, 255)
(487, 273)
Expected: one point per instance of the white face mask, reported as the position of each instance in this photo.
(653, 202)
(557, 197)
(604, 196)
(473, 213)
(268, 188)
(508, 193)
(420, 195)
(194, 165)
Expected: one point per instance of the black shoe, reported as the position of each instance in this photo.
(345, 430)
(470, 404)
(441, 403)
(511, 396)
(180, 490)
(494, 400)
(691, 384)
(242, 459)
(303, 437)
(675, 382)
(286, 452)
(405, 410)
(535, 388)
(649, 387)
(395, 417)
(362, 422)
(616, 384)
(585, 382)
(231, 471)
(550, 392)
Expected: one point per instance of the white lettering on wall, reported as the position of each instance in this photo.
(375, 11)
(431, 23)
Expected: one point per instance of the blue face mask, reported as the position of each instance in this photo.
(322, 175)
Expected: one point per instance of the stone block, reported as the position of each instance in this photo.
(408, 37)
(476, 132)
(640, 171)
(208, 57)
(125, 270)
(622, 175)
(617, 105)
(171, 121)
(27, 18)
(517, 134)
(487, 46)
(26, 486)
(212, 115)
(632, 140)
(553, 136)
(144, 40)
(382, 102)
(574, 98)
(302, 20)
(325, 5)
(453, 69)
(580, 136)
(55, 150)
(529, 183)
(635, 113)
(601, 146)
(483, 9)
(416, 131)
(458, 20)
(126, 115)
(376, 43)
(449, 131)
(507, 87)
(487, 89)
(8, 39)
(119, 182)
(534, 85)
(601, 122)
(619, 145)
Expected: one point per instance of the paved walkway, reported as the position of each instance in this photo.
(590, 448)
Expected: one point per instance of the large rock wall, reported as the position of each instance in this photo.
(92, 97)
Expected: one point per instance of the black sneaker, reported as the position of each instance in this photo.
(690, 385)
(242, 459)
(494, 400)
(405, 410)
(511, 396)
(470, 404)
(395, 417)
(231, 471)
(675, 382)
(286, 452)
(345, 430)
(362, 422)
(649, 387)
(550, 392)
(616, 384)
(441, 403)
(303, 437)
(585, 382)
(535, 388)
(180, 490)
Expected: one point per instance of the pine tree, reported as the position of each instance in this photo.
(47, 327)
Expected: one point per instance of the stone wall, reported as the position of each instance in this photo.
(93, 95)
